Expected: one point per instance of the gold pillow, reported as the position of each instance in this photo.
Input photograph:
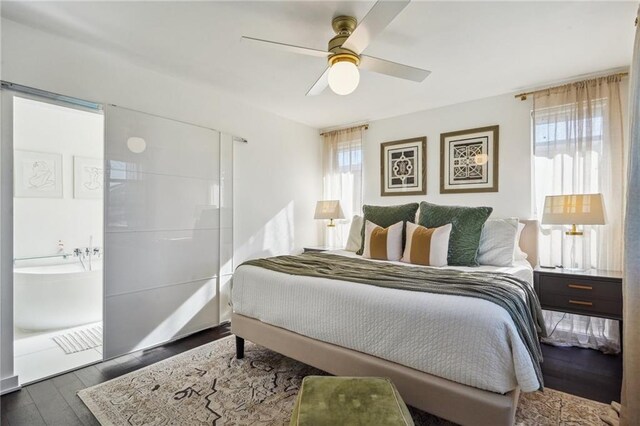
(383, 243)
(427, 246)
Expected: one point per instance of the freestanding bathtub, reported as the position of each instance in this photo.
(57, 296)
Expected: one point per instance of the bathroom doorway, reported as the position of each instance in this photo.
(58, 151)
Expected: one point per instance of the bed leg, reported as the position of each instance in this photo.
(239, 347)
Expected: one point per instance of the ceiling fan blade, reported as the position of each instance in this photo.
(393, 69)
(319, 86)
(375, 21)
(287, 47)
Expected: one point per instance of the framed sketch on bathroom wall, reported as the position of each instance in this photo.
(88, 177)
(37, 174)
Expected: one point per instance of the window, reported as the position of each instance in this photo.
(568, 143)
(578, 144)
(343, 178)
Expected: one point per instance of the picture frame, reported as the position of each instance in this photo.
(37, 174)
(469, 160)
(88, 177)
(403, 167)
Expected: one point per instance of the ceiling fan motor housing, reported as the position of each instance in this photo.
(344, 52)
(343, 26)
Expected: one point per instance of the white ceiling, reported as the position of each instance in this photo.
(474, 49)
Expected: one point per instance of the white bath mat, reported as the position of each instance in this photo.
(80, 340)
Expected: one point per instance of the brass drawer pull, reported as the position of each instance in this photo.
(579, 302)
(580, 287)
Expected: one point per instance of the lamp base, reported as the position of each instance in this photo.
(331, 224)
(574, 265)
(574, 231)
(575, 269)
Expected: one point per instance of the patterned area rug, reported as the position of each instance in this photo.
(208, 386)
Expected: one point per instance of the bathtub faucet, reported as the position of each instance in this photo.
(80, 255)
(85, 255)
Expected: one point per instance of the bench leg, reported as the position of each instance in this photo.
(239, 347)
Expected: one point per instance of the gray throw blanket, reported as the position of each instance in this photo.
(504, 290)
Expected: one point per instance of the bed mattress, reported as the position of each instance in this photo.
(467, 340)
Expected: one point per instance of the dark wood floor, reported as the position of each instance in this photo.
(582, 372)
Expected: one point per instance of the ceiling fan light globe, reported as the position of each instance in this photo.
(343, 77)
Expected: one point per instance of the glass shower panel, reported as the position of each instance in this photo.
(162, 229)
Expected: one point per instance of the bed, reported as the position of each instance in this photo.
(456, 357)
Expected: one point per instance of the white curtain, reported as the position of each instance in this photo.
(630, 414)
(342, 164)
(579, 148)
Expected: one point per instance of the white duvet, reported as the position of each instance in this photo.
(463, 339)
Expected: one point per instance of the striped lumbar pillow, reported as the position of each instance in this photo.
(427, 246)
(383, 243)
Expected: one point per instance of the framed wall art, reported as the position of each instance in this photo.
(37, 174)
(403, 167)
(469, 160)
(88, 177)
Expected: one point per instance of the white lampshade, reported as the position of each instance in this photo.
(573, 209)
(329, 209)
(343, 77)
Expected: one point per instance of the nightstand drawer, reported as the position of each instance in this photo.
(583, 304)
(580, 288)
(595, 293)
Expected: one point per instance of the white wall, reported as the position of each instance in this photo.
(515, 196)
(277, 175)
(40, 222)
(513, 117)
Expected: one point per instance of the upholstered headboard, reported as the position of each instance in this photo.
(529, 240)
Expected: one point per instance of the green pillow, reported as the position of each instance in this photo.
(385, 216)
(466, 228)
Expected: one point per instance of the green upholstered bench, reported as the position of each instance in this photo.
(327, 400)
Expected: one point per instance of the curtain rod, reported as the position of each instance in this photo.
(365, 126)
(523, 96)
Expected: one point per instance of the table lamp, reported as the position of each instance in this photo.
(573, 209)
(329, 209)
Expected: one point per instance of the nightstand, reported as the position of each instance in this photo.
(593, 292)
(317, 249)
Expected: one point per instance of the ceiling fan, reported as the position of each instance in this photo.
(344, 53)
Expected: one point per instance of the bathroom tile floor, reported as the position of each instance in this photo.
(37, 356)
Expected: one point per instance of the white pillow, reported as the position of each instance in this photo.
(354, 242)
(427, 246)
(383, 243)
(498, 242)
(519, 254)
